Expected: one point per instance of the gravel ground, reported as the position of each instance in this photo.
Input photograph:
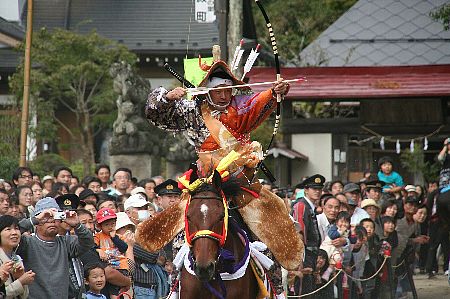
(432, 288)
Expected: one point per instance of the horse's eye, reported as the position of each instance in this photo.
(222, 216)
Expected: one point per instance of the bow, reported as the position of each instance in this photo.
(278, 70)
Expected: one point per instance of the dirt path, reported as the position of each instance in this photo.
(432, 288)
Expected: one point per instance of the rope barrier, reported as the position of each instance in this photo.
(398, 265)
(315, 291)
(371, 277)
(335, 276)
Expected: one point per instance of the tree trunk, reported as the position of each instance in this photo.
(235, 29)
(87, 143)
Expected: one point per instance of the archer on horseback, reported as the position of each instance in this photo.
(220, 124)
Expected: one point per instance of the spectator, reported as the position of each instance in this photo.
(8, 186)
(22, 176)
(77, 189)
(47, 181)
(122, 180)
(357, 214)
(91, 258)
(13, 209)
(336, 187)
(136, 207)
(103, 172)
(89, 197)
(59, 188)
(326, 219)
(93, 183)
(110, 247)
(393, 181)
(158, 179)
(74, 180)
(96, 280)
(124, 224)
(18, 279)
(168, 194)
(25, 199)
(63, 175)
(86, 219)
(373, 189)
(4, 202)
(353, 191)
(389, 208)
(47, 253)
(107, 203)
(37, 189)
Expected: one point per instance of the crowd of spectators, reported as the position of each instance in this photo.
(66, 237)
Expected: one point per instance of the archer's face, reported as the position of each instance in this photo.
(221, 97)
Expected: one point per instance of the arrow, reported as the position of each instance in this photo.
(205, 90)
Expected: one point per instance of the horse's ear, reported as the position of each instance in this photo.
(217, 180)
(194, 174)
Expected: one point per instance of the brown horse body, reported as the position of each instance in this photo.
(206, 212)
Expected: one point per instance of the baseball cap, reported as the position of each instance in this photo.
(105, 214)
(123, 220)
(135, 201)
(45, 204)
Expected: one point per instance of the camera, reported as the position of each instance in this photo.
(60, 216)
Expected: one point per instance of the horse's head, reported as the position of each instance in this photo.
(206, 226)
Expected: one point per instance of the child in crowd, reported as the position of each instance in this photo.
(337, 230)
(110, 247)
(373, 262)
(393, 180)
(95, 280)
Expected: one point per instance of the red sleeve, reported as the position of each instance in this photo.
(256, 110)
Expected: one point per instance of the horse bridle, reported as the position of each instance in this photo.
(221, 238)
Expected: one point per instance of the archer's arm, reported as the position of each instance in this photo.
(171, 115)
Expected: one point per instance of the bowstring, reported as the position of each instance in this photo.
(189, 33)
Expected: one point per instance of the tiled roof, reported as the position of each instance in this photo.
(11, 29)
(382, 32)
(142, 25)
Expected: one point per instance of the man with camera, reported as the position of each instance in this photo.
(46, 253)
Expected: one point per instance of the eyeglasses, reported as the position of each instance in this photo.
(24, 176)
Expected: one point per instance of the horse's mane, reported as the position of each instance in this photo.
(230, 188)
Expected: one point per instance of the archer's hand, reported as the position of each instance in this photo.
(280, 87)
(176, 94)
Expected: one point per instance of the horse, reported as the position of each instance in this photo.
(215, 246)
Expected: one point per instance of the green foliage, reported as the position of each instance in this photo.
(7, 166)
(297, 23)
(416, 164)
(442, 14)
(46, 163)
(71, 72)
(78, 169)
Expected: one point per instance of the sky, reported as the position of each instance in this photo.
(9, 10)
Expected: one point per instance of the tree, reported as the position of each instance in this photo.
(297, 23)
(72, 73)
(442, 14)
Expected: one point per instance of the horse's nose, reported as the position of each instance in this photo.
(205, 272)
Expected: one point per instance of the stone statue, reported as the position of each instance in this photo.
(131, 132)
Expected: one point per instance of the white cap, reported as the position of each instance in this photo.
(47, 177)
(135, 201)
(410, 188)
(122, 220)
(137, 190)
(369, 202)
